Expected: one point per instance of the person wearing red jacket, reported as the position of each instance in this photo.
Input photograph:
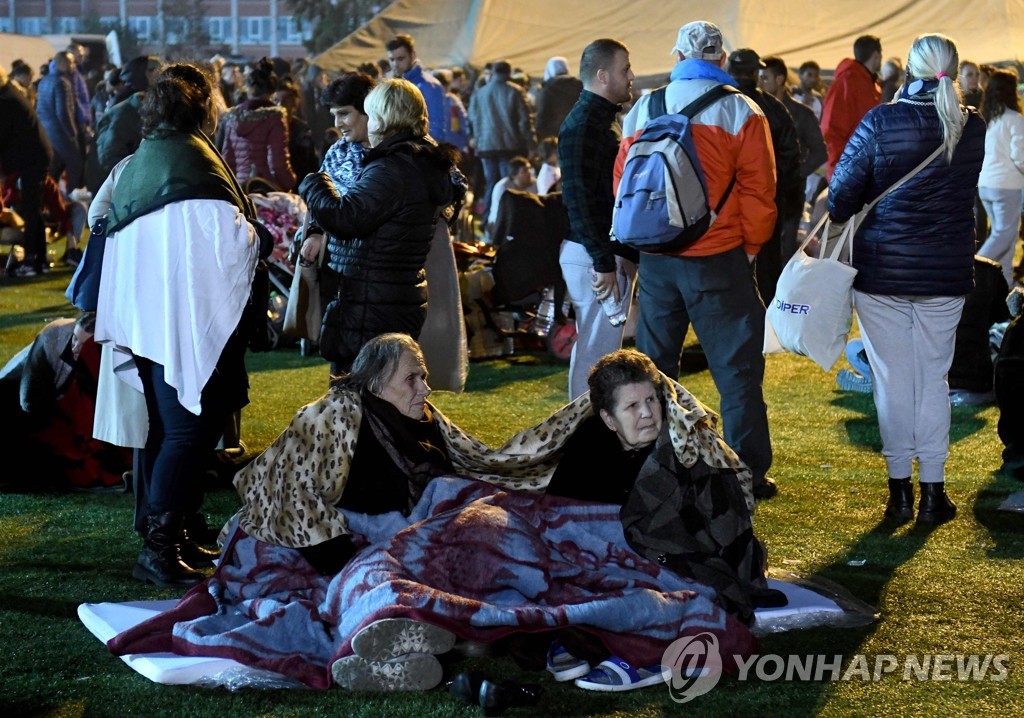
(710, 283)
(853, 92)
(255, 135)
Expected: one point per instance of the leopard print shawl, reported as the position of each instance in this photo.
(290, 491)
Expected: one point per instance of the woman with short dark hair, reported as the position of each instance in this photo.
(385, 221)
(343, 163)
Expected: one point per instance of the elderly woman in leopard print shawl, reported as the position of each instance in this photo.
(294, 493)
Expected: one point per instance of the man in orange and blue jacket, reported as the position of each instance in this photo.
(710, 283)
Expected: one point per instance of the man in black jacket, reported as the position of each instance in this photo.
(25, 150)
(595, 268)
(808, 133)
(744, 65)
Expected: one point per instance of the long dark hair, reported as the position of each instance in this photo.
(1000, 94)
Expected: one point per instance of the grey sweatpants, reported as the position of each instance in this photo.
(595, 335)
(909, 342)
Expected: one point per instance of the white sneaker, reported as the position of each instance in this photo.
(393, 637)
(414, 672)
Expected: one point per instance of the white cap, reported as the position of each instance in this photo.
(701, 40)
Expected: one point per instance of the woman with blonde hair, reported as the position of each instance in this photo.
(914, 253)
(385, 222)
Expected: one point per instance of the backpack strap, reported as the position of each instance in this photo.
(656, 105)
(699, 105)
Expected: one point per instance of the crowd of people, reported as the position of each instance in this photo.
(384, 158)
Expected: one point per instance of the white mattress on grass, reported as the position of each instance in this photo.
(106, 620)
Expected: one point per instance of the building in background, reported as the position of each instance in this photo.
(178, 28)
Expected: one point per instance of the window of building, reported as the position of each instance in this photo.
(31, 25)
(219, 29)
(5, 25)
(66, 25)
(290, 31)
(255, 30)
(140, 27)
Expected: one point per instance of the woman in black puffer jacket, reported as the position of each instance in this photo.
(915, 259)
(386, 222)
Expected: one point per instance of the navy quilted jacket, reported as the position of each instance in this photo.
(920, 239)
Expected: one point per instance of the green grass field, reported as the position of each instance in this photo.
(953, 590)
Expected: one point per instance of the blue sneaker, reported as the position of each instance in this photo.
(850, 381)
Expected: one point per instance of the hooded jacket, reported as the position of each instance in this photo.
(385, 222)
(554, 102)
(118, 134)
(920, 239)
(256, 143)
(852, 93)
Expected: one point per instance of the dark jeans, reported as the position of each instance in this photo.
(179, 447)
(496, 166)
(717, 295)
(31, 209)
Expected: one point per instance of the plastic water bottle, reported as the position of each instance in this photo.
(613, 309)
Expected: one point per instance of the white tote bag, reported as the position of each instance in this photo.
(812, 312)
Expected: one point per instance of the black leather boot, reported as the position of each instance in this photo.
(160, 561)
(901, 500)
(935, 506)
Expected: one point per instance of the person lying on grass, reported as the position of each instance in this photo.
(361, 551)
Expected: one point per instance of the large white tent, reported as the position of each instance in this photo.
(528, 32)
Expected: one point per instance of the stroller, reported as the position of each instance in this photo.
(515, 291)
(281, 213)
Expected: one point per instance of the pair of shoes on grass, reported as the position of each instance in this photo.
(611, 675)
(394, 654)
(495, 697)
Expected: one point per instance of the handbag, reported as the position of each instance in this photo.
(332, 339)
(812, 312)
(84, 289)
(304, 313)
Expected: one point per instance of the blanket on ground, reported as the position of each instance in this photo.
(475, 559)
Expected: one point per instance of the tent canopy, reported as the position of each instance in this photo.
(528, 32)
